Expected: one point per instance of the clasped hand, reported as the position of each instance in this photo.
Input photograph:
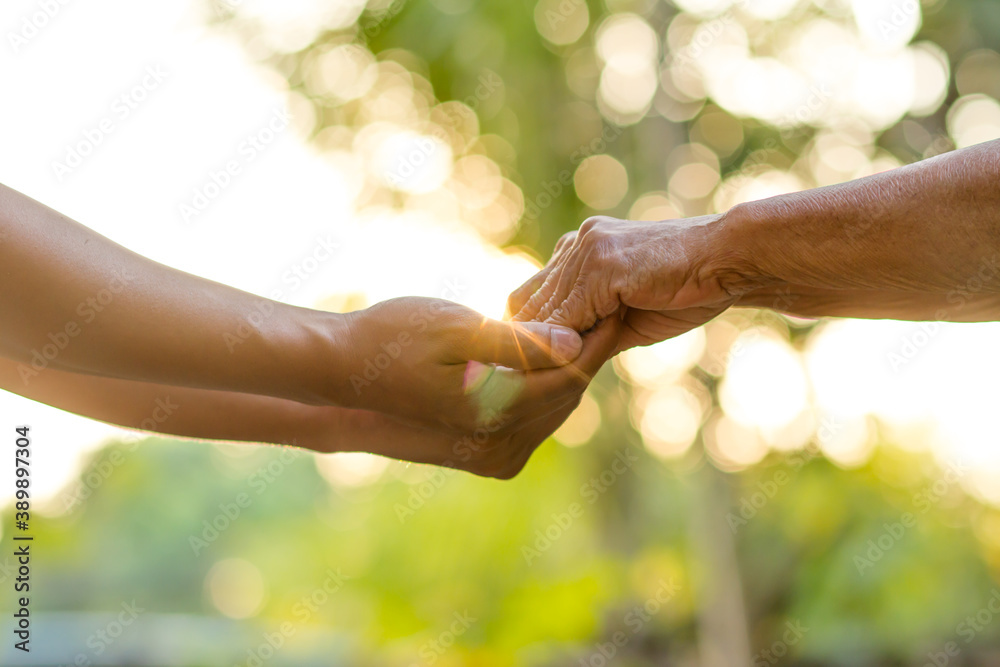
(618, 282)
(435, 382)
(658, 277)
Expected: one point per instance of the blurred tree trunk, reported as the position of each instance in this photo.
(723, 636)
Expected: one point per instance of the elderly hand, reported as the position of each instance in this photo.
(665, 273)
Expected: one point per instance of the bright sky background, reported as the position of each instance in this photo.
(67, 78)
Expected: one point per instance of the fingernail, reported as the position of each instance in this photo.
(566, 343)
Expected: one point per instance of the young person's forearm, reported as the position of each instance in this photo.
(184, 411)
(220, 416)
(75, 300)
(933, 227)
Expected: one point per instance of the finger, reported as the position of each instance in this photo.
(565, 241)
(631, 338)
(505, 452)
(495, 390)
(569, 279)
(535, 302)
(524, 345)
(496, 393)
(636, 324)
(519, 297)
(598, 346)
(580, 310)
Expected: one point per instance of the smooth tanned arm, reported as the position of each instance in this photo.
(73, 300)
(203, 414)
(229, 416)
(182, 411)
(91, 327)
(123, 315)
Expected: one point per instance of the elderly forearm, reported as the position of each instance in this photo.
(931, 227)
(963, 304)
(73, 299)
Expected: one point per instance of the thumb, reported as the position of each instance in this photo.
(524, 345)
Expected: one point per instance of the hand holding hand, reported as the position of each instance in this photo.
(441, 365)
(501, 445)
(665, 273)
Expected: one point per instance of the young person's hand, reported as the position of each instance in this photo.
(503, 440)
(79, 303)
(498, 447)
(442, 365)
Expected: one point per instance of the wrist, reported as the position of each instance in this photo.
(733, 257)
(357, 366)
(322, 428)
(318, 356)
(362, 346)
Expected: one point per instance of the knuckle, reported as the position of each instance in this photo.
(573, 303)
(601, 248)
(598, 226)
(523, 294)
(538, 299)
(566, 240)
(547, 308)
(592, 223)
